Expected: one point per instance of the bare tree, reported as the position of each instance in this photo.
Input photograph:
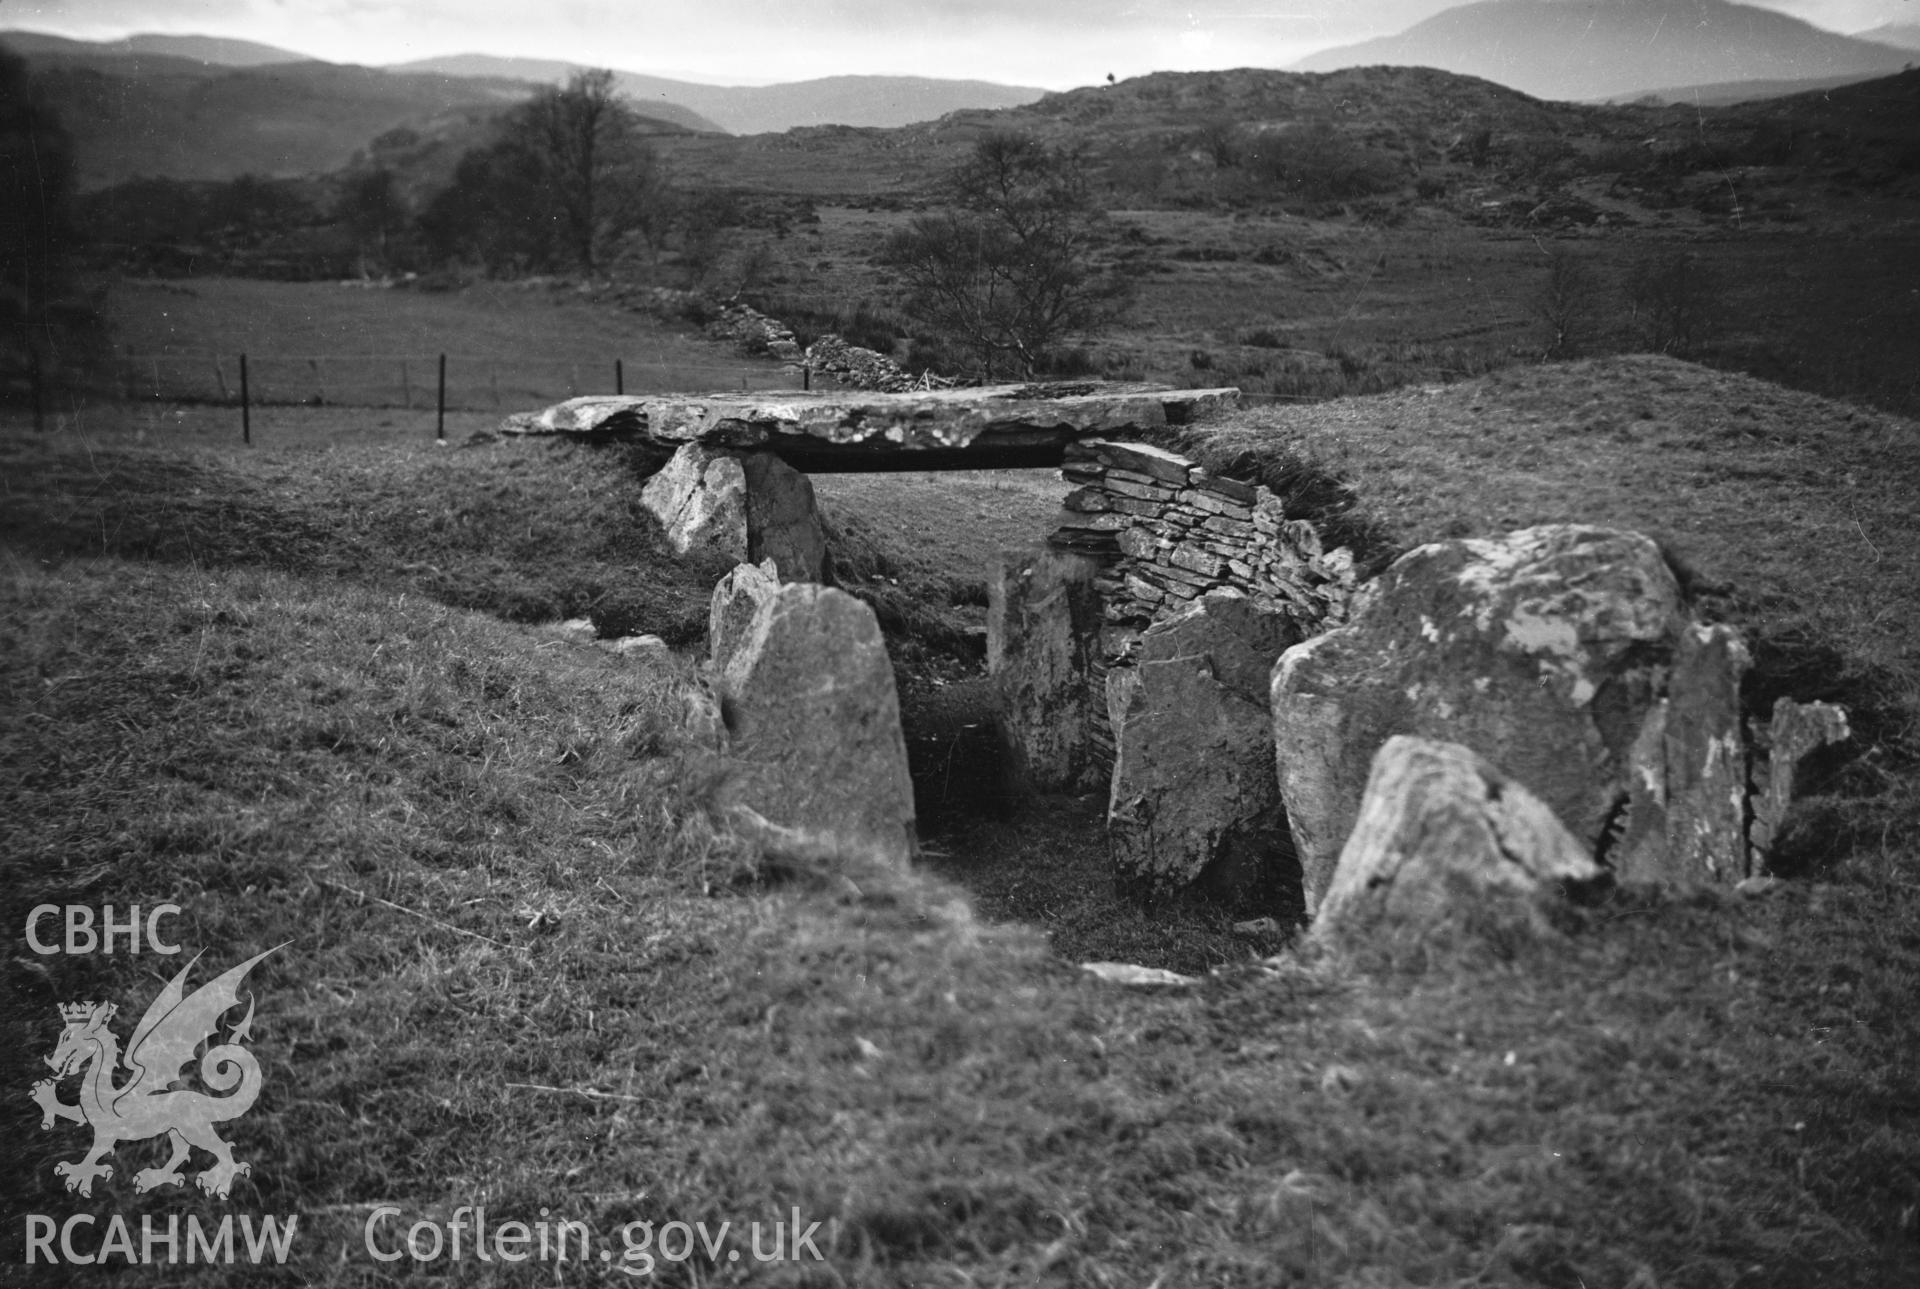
(1676, 301)
(1008, 269)
(599, 177)
(1566, 302)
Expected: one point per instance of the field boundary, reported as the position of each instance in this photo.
(474, 382)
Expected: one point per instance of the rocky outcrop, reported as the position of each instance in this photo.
(700, 499)
(1193, 801)
(1445, 839)
(808, 699)
(1563, 655)
(1043, 652)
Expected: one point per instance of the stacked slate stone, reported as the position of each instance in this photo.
(1170, 532)
(1167, 533)
(755, 332)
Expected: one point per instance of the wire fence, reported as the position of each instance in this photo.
(435, 382)
(474, 382)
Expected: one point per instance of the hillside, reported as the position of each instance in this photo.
(1146, 122)
(152, 114)
(1901, 35)
(1618, 48)
(877, 101)
(1727, 93)
(1159, 139)
(213, 50)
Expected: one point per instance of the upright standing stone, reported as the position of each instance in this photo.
(1194, 801)
(1444, 838)
(1043, 643)
(700, 499)
(736, 598)
(1706, 759)
(1548, 652)
(807, 694)
(782, 523)
(750, 506)
(1795, 732)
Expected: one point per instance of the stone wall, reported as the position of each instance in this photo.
(1166, 532)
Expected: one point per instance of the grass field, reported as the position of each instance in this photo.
(1288, 308)
(509, 345)
(305, 693)
(1293, 308)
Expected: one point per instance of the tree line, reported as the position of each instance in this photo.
(1003, 268)
(567, 184)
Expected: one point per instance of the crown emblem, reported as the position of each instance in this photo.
(74, 1013)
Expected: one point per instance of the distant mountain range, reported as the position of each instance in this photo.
(164, 116)
(196, 107)
(884, 101)
(1620, 49)
(739, 109)
(1901, 35)
(213, 50)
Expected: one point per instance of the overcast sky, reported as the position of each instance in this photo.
(1054, 44)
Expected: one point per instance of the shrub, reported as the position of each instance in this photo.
(1315, 162)
(1352, 365)
(1007, 269)
(1069, 362)
(1566, 302)
(1676, 301)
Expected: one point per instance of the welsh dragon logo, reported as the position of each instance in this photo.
(147, 1104)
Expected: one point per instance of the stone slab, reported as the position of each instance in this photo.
(852, 430)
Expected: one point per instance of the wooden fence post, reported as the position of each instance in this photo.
(34, 377)
(220, 378)
(246, 405)
(440, 424)
(406, 385)
(619, 377)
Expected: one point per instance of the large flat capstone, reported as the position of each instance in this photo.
(995, 426)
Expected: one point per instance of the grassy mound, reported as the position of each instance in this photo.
(1787, 514)
(530, 531)
(525, 968)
